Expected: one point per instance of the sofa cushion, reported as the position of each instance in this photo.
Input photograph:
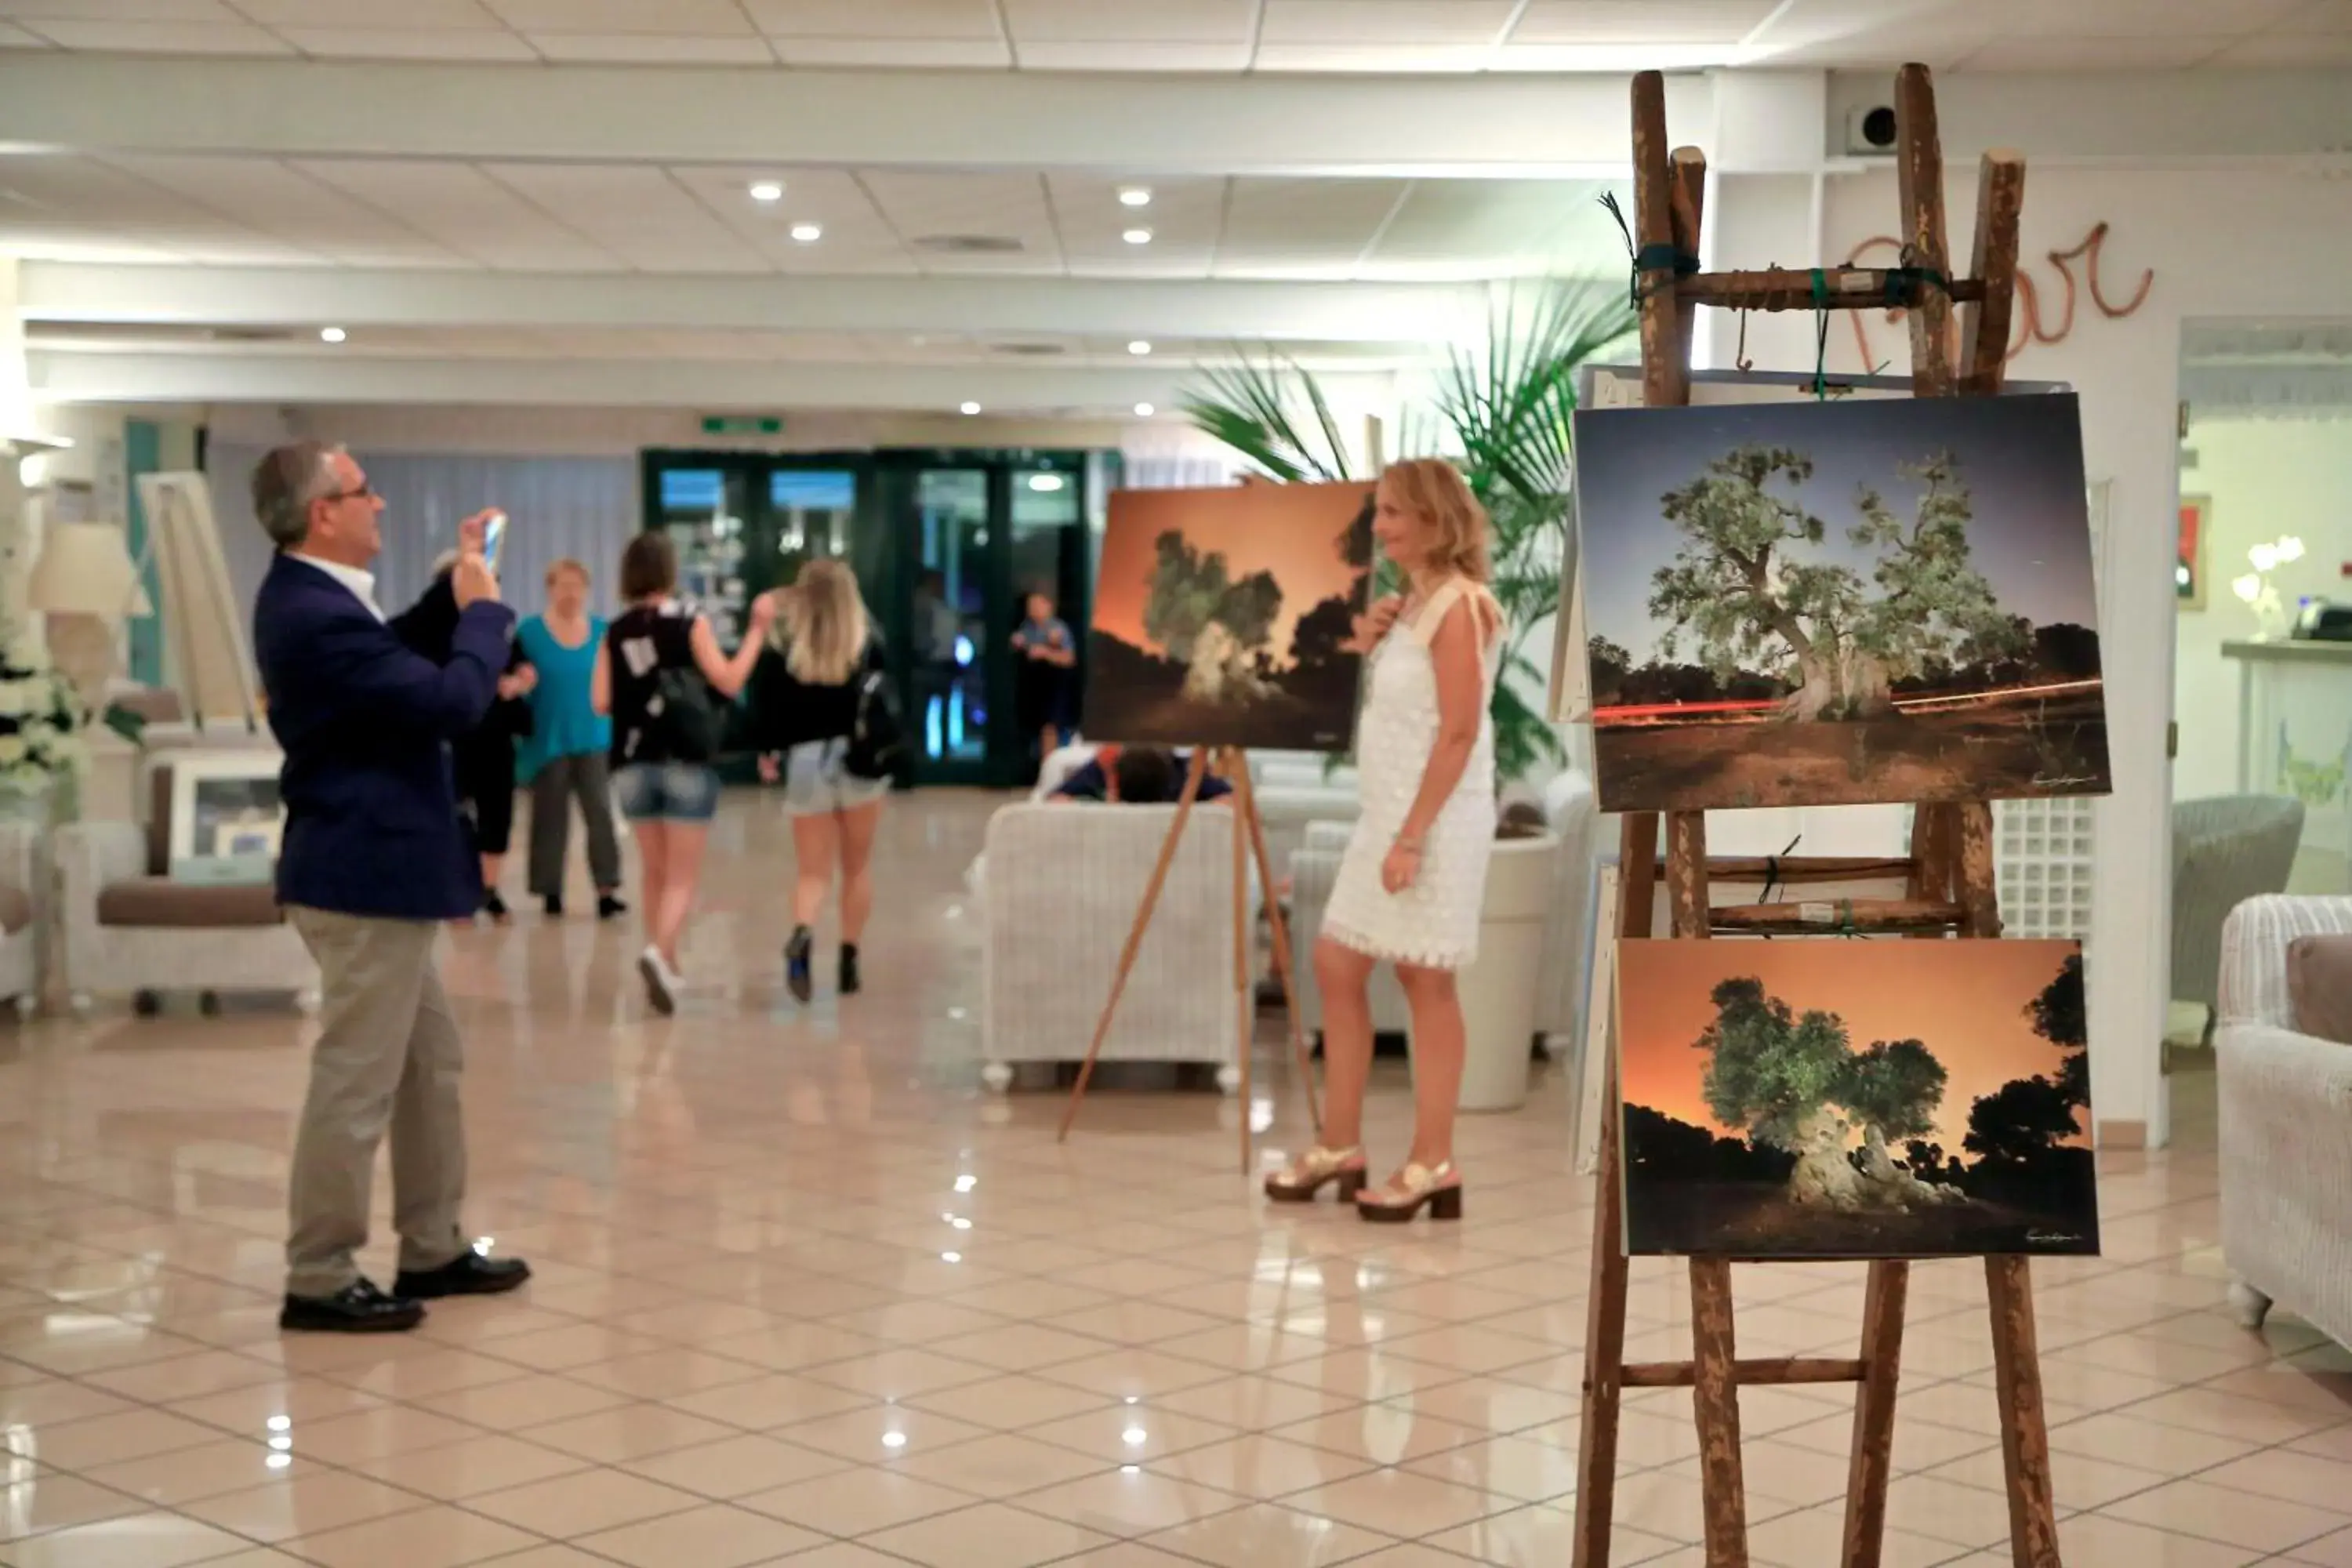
(15, 909)
(160, 901)
(2319, 987)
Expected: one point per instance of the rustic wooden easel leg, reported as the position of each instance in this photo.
(1604, 1307)
(2024, 1433)
(1870, 1462)
(1286, 962)
(1135, 935)
(1714, 1403)
(1245, 990)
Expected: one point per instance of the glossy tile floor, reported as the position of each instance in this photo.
(807, 1295)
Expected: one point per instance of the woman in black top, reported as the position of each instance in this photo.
(804, 710)
(482, 761)
(655, 675)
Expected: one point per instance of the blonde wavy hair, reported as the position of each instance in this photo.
(1433, 490)
(822, 627)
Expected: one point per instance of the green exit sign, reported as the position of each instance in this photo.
(742, 425)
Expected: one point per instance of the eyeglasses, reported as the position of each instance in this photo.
(365, 492)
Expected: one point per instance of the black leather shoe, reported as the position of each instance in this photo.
(358, 1308)
(467, 1274)
(609, 908)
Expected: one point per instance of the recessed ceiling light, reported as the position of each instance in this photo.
(331, 334)
(808, 233)
(1140, 346)
(969, 408)
(1137, 236)
(1145, 411)
(767, 191)
(1135, 196)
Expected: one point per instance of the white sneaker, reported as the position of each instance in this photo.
(661, 983)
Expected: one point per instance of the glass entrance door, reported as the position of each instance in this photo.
(955, 610)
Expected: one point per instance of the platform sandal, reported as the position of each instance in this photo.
(1317, 1168)
(1414, 1188)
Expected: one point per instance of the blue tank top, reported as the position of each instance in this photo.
(564, 723)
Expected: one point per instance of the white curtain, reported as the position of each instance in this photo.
(583, 508)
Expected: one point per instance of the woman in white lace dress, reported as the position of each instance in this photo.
(1414, 873)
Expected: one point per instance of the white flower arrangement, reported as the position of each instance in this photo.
(40, 722)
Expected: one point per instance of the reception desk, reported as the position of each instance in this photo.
(2295, 738)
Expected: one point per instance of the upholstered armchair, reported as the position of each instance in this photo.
(2286, 1124)
(129, 929)
(2225, 851)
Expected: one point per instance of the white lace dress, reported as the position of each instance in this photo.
(1432, 924)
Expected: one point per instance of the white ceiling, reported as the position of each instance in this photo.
(1218, 36)
(642, 217)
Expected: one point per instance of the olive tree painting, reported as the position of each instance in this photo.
(1818, 604)
(1875, 1098)
(1220, 617)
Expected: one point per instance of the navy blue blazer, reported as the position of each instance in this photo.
(365, 715)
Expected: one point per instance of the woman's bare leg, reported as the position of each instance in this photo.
(857, 827)
(1344, 976)
(652, 870)
(817, 849)
(1439, 1041)
(681, 871)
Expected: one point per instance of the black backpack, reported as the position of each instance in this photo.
(877, 742)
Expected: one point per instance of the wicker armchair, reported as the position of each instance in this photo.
(2225, 851)
(2285, 1105)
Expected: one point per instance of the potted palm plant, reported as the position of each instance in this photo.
(1501, 411)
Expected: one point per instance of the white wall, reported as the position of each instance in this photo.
(2198, 229)
(2266, 478)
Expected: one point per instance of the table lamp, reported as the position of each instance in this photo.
(86, 585)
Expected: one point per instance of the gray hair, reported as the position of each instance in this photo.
(285, 483)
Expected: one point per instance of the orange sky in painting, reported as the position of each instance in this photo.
(1964, 1000)
(1292, 531)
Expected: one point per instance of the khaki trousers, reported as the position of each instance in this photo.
(387, 1055)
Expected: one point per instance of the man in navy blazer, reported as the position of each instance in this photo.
(374, 859)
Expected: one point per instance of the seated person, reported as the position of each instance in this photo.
(1136, 775)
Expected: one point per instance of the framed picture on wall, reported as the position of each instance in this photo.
(226, 817)
(2189, 568)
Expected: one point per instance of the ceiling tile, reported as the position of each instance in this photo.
(2144, 20)
(466, 210)
(914, 53)
(212, 11)
(1362, 21)
(1640, 21)
(1132, 21)
(653, 49)
(865, 19)
(921, 205)
(855, 239)
(15, 38)
(691, 18)
(1476, 223)
(159, 37)
(2280, 49)
(1398, 59)
(636, 211)
(379, 43)
(2319, 16)
(1152, 57)
(420, 16)
(1276, 228)
(1569, 57)
(276, 200)
(79, 202)
(2165, 52)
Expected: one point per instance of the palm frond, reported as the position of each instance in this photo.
(1247, 406)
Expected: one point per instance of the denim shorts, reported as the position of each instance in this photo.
(818, 783)
(667, 791)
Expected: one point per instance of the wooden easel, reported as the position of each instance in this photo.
(1949, 874)
(1249, 839)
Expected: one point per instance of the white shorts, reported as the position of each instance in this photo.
(816, 784)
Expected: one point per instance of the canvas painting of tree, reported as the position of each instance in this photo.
(1820, 1097)
(1220, 616)
(1826, 603)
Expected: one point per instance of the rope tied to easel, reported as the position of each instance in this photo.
(1820, 279)
(1648, 259)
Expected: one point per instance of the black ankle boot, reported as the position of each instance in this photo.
(608, 907)
(494, 906)
(849, 982)
(553, 905)
(797, 964)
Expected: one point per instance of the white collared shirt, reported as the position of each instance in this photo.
(361, 583)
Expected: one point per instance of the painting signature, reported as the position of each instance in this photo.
(2050, 1238)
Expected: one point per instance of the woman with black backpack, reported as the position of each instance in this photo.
(656, 675)
(825, 725)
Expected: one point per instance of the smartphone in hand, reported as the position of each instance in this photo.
(494, 534)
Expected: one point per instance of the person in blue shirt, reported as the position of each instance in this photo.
(566, 758)
(1136, 775)
(1047, 679)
